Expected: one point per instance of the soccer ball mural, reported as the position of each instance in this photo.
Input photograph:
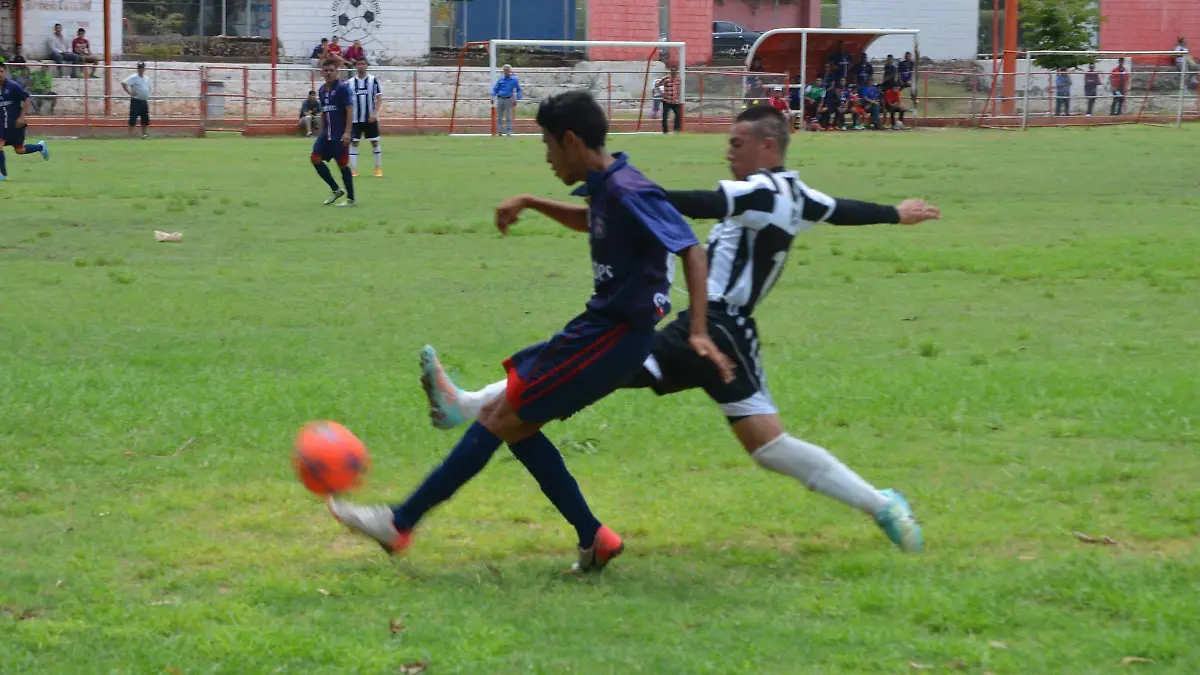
(357, 20)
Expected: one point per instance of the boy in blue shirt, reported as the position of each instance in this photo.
(14, 106)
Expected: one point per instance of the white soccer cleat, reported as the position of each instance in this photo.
(337, 194)
(349, 202)
(375, 521)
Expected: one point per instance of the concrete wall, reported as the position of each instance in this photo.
(390, 30)
(949, 28)
(39, 17)
(1149, 25)
(768, 15)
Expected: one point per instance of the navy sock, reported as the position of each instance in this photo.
(3, 164)
(543, 460)
(348, 180)
(323, 172)
(33, 147)
(466, 460)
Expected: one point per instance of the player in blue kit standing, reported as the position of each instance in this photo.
(333, 143)
(14, 107)
(632, 231)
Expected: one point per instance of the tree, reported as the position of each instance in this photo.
(1061, 25)
(159, 17)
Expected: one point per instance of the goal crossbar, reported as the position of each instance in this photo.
(1031, 55)
(495, 45)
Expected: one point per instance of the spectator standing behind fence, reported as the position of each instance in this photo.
(506, 92)
(906, 69)
(656, 97)
(840, 61)
(1091, 87)
(1062, 92)
(891, 75)
(83, 50)
(59, 51)
(310, 114)
(138, 88)
(671, 99)
(1119, 81)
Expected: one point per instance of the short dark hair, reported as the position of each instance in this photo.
(574, 111)
(328, 62)
(361, 58)
(768, 123)
(324, 39)
(312, 92)
(81, 31)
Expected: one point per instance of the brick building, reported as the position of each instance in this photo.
(687, 21)
(1149, 25)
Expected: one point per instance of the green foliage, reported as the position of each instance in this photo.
(1063, 25)
(159, 17)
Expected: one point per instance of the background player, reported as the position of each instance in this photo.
(14, 108)
(333, 143)
(760, 211)
(368, 101)
(632, 229)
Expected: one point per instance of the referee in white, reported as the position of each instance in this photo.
(368, 100)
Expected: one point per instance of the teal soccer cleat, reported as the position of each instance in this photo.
(442, 413)
(899, 524)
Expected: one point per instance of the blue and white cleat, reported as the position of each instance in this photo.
(899, 524)
(442, 413)
(2, 176)
(45, 152)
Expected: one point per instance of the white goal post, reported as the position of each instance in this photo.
(494, 47)
(1098, 55)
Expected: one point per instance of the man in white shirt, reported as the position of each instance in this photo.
(59, 51)
(368, 101)
(138, 88)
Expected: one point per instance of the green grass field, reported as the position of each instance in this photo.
(1024, 369)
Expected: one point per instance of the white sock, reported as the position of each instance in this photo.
(353, 157)
(820, 472)
(378, 155)
(471, 402)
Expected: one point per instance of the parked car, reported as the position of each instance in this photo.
(729, 37)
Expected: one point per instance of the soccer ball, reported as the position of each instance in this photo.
(329, 458)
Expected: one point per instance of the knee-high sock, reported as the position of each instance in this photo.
(377, 148)
(820, 472)
(354, 156)
(348, 180)
(545, 463)
(323, 172)
(463, 463)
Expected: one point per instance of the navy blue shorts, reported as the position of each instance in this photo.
(325, 150)
(587, 360)
(14, 137)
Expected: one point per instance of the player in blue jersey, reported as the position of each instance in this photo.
(333, 143)
(632, 231)
(14, 107)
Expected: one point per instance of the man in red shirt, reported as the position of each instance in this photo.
(779, 102)
(81, 48)
(335, 53)
(355, 52)
(892, 105)
(1119, 81)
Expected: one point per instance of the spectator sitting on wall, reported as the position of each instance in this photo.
(334, 51)
(840, 60)
(1062, 93)
(83, 49)
(59, 51)
(319, 52)
(869, 101)
(41, 91)
(310, 114)
(1091, 87)
(893, 106)
(355, 52)
(863, 70)
(891, 74)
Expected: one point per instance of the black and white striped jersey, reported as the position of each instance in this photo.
(748, 248)
(364, 89)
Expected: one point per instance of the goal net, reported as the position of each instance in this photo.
(1094, 88)
(622, 77)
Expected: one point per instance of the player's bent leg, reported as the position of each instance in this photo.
(318, 161)
(773, 449)
(343, 163)
(450, 406)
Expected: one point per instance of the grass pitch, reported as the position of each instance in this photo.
(1024, 369)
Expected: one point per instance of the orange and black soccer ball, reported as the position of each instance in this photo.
(329, 458)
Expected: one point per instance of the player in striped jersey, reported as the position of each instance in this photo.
(760, 212)
(368, 101)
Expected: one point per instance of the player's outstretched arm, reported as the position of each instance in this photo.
(572, 216)
(852, 212)
(695, 271)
